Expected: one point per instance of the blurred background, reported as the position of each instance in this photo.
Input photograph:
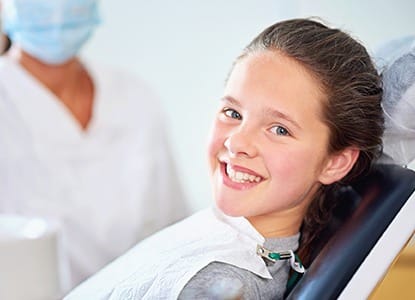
(184, 50)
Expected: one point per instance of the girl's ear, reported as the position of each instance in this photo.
(338, 165)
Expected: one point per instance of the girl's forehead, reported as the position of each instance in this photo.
(272, 63)
(270, 81)
(272, 72)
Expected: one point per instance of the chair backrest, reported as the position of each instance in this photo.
(365, 237)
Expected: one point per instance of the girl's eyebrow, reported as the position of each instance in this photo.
(268, 112)
(231, 100)
(276, 114)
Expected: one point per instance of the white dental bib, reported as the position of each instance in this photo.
(160, 266)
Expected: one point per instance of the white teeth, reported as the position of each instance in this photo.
(230, 171)
(241, 177)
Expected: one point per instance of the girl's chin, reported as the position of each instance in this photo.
(227, 209)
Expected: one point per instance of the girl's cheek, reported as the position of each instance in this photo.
(214, 144)
(212, 140)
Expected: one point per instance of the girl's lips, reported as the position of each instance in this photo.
(242, 170)
(238, 182)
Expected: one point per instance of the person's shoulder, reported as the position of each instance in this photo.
(109, 74)
(10, 75)
(116, 83)
(6, 64)
(222, 279)
(115, 75)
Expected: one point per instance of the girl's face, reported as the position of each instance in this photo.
(268, 148)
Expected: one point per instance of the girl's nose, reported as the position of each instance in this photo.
(241, 143)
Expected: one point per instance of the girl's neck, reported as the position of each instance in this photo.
(282, 225)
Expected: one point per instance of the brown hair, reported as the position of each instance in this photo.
(352, 110)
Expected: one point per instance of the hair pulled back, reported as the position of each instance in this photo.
(352, 109)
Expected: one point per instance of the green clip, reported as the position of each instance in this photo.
(274, 255)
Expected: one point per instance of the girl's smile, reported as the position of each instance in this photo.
(238, 177)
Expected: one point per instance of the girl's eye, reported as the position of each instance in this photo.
(279, 130)
(229, 112)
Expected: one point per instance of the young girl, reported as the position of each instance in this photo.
(299, 117)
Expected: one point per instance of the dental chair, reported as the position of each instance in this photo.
(377, 216)
(374, 223)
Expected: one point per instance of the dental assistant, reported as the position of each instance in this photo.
(80, 143)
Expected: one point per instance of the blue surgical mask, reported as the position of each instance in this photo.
(52, 31)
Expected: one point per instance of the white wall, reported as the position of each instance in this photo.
(184, 50)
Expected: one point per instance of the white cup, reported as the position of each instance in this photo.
(30, 266)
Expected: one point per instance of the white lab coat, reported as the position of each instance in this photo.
(109, 186)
